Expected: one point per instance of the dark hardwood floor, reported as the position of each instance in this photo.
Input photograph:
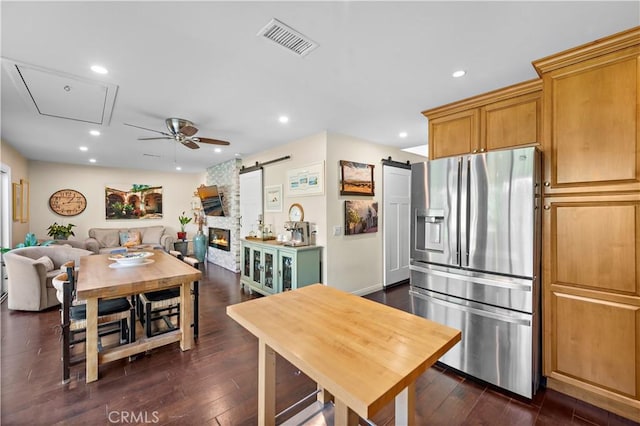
(216, 382)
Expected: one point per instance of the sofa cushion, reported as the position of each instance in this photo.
(107, 237)
(46, 261)
(150, 234)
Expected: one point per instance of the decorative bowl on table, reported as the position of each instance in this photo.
(131, 258)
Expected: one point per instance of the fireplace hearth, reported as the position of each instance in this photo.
(220, 238)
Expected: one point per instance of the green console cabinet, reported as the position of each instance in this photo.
(268, 267)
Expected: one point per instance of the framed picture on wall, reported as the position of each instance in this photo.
(356, 178)
(308, 180)
(17, 201)
(360, 217)
(273, 198)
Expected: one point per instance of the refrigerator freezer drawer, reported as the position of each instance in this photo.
(498, 346)
(506, 292)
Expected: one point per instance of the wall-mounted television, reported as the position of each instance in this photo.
(211, 200)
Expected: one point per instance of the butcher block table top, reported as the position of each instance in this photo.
(362, 352)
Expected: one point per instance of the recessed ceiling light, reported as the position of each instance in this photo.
(178, 168)
(458, 73)
(217, 150)
(99, 69)
(92, 160)
(84, 148)
(237, 154)
(403, 134)
(94, 132)
(283, 119)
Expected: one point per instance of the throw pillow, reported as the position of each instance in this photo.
(130, 239)
(47, 262)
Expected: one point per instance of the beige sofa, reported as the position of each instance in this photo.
(105, 240)
(30, 271)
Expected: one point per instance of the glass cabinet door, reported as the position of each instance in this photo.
(269, 265)
(286, 271)
(257, 267)
(246, 261)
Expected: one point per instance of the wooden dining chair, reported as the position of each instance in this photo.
(163, 305)
(114, 316)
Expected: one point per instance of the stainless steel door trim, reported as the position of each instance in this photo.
(510, 317)
(464, 211)
(499, 228)
(512, 283)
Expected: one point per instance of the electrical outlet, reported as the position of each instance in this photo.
(337, 230)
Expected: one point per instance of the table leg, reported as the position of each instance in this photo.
(266, 385)
(92, 340)
(186, 316)
(405, 406)
(324, 395)
(344, 415)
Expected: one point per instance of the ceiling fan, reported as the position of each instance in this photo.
(182, 131)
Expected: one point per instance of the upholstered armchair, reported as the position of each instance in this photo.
(30, 271)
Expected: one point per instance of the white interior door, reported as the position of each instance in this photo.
(250, 201)
(396, 221)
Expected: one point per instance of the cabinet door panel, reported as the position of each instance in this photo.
(593, 125)
(596, 245)
(597, 342)
(454, 135)
(513, 122)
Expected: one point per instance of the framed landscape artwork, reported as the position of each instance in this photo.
(360, 217)
(133, 201)
(356, 178)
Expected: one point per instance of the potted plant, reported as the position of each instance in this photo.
(183, 221)
(60, 232)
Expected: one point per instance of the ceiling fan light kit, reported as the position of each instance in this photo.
(181, 131)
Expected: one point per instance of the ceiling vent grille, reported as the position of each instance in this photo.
(287, 37)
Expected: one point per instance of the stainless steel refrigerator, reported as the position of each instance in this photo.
(475, 261)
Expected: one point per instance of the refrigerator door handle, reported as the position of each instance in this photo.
(464, 211)
(474, 311)
(511, 284)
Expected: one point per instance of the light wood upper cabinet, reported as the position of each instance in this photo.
(591, 117)
(460, 131)
(504, 118)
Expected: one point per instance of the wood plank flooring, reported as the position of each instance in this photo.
(216, 382)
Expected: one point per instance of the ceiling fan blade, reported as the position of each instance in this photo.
(190, 144)
(151, 139)
(144, 128)
(211, 141)
(188, 130)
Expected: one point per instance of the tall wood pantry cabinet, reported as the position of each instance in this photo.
(504, 118)
(591, 222)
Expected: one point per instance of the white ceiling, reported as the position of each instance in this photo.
(379, 64)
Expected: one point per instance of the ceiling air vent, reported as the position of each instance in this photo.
(288, 38)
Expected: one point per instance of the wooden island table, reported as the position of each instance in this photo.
(361, 352)
(96, 280)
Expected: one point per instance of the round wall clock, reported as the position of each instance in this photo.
(67, 202)
(296, 213)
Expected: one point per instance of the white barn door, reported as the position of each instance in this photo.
(250, 200)
(396, 222)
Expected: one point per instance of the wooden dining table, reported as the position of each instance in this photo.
(98, 280)
(362, 354)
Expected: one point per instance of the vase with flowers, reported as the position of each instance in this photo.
(182, 235)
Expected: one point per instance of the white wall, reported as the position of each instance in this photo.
(303, 152)
(355, 261)
(47, 178)
(351, 263)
